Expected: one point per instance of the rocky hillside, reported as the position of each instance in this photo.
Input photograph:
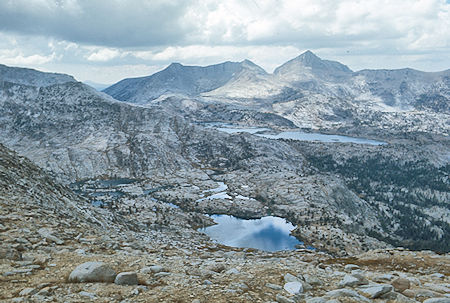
(77, 133)
(52, 249)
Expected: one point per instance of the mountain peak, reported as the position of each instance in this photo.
(175, 65)
(308, 55)
(252, 66)
(310, 63)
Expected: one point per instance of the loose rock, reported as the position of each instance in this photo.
(126, 278)
(93, 272)
(293, 287)
(401, 284)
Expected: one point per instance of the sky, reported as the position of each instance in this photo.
(107, 40)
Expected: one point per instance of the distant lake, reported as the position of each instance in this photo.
(300, 136)
(268, 233)
(296, 135)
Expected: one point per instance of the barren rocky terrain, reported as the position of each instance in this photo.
(47, 231)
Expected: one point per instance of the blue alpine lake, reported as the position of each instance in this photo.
(267, 233)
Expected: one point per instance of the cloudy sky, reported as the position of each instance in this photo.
(107, 40)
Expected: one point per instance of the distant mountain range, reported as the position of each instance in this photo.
(304, 75)
(308, 91)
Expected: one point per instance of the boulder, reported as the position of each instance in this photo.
(92, 272)
(126, 278)
(312, 280)
(293, 287)
(376, 291)
(401, 284)
(352, 280)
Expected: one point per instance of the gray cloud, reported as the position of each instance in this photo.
(109, 23)
(107, 40)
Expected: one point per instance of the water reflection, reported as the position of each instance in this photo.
(268, 233)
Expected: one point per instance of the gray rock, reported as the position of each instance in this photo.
(338, 293)
(44, 292)
(437, 300)
(383, 278)
(316, 300)
(376, 291)
(291, 278)
(47, 234)
(87, 294)
(283, 299)
(232, 271)
(29, 291)
(274, 286)
(350, 267)
(92, 272)
(162, 274)
(397, 297)
(10, 254)
(438, 275)
(153, 269)
(306, 286)
(126, 278)
(23, 271)
(352, 280)
(401, 284)
(293, 287)
(312, 280)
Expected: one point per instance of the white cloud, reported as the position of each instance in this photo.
(17, 58)
(104, 54)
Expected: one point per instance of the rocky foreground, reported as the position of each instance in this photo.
(48, 235)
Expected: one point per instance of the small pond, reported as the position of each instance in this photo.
(267, 233)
